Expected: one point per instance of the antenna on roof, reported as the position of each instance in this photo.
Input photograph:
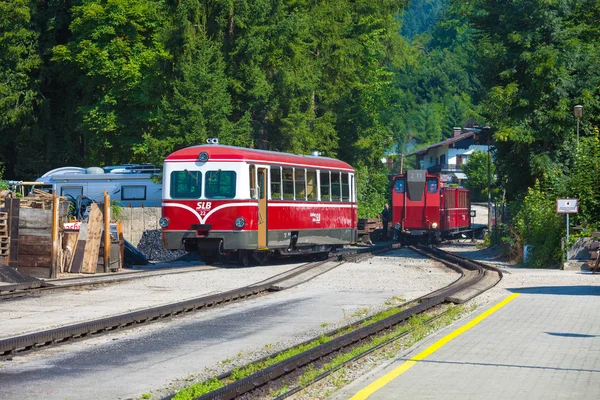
(212, 141)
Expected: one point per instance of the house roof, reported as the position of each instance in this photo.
(446, 142)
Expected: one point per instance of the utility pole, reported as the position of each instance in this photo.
(401, 162)
(489, 191)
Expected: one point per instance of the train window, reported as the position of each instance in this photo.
(276, 183)
(311, 185)
(399, 186)
(300, 184)
(186, 184)
(335, 186)
(325, 186)
(288, 183)
(71, 191)
(432, 185)
(252, 182)
(220, 184)
(345, 187)
(261, 183)
(137, 192)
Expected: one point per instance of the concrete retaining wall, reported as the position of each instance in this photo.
(136, 220)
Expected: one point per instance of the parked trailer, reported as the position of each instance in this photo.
(224, 201)
(131, 185)
(424, 211)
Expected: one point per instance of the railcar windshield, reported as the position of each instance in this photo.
(186, 184)
(399, 186)
(220, 184)
(432, 185)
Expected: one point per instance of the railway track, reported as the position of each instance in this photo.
(17, 290)
(21, 344)
(474, 278)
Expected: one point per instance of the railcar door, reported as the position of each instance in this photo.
(262, 208)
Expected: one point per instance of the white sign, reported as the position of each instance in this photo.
(567, 206)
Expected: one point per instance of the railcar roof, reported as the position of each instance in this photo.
(231, 153)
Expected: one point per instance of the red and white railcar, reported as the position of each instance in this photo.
(223, 200)
(424, 211)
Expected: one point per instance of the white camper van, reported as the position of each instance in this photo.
(130, 185)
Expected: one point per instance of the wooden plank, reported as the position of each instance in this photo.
(41, 240)
(92, 245)
(69, 244)
(13, 206)
(35, 218)
(106, 237)
(35, 261)
(35, 250)
(56, 251)
(79, 248)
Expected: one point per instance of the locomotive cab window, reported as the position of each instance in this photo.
(399, 186)
(186, 184)
(432, 186)
(220, 184)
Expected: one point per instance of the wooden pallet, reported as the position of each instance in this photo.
(3, 224)
(4, 246)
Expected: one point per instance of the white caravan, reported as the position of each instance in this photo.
(130, 185)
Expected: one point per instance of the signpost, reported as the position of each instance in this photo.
(567, 206)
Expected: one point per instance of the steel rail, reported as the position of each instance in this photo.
(18, 290)
(276, 371)
(27, 342)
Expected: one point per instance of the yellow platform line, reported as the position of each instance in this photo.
(405, 366)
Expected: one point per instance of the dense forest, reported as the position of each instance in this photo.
(101, 82)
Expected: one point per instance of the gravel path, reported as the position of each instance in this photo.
(70, 306)
(160, 358)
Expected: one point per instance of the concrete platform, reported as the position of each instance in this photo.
(539, 343)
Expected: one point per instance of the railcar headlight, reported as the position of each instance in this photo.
(164, 222)
(203, 157)
(397, 225)
(434, 225)
(240, 222)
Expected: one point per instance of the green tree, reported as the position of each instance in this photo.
(476, 170)
(19, 63)
(117, 48)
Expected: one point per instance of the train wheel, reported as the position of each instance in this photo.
(245, 258)
(261, 257)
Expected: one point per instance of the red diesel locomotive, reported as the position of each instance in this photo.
(424, 211)
(229, 201)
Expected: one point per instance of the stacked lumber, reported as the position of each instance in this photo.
(368, 225)
(4, 238)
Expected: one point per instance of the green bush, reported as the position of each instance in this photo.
(537, 224)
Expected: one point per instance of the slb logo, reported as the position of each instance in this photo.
(203, 206)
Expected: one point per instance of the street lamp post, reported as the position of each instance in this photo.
(578, 113)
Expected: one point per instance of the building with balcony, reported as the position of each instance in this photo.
(448, 157)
